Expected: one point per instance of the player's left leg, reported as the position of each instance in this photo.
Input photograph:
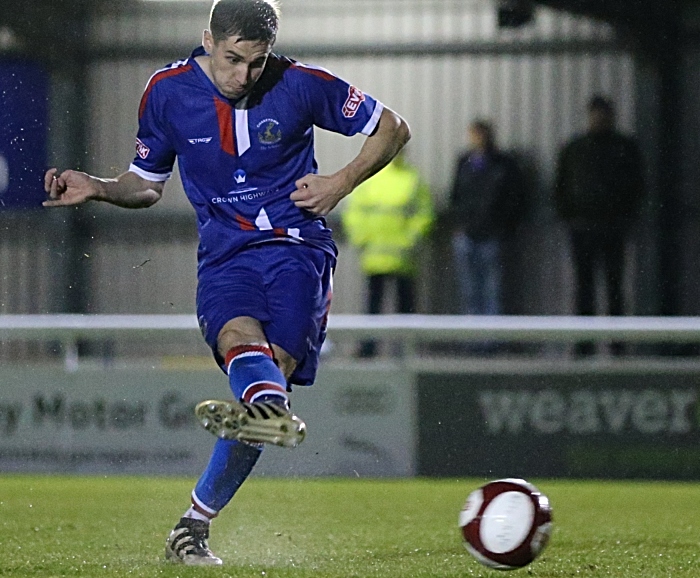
(260, 411)
(230, 464)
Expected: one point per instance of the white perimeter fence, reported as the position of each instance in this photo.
(410, 330)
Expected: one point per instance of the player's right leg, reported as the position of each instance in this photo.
(258, 422)
(259, 411)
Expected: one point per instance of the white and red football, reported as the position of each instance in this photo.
(506, 523)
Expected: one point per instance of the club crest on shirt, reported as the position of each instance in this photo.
(352, 102)
(269, 132)
(141, 149)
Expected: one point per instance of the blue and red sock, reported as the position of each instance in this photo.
(253, 376)
(230, 464)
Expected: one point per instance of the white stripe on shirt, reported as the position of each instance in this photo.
(153, 177)
(242, 135)
(374, 120)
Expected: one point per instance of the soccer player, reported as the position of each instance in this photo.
(239, 119)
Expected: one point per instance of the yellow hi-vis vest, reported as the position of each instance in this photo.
(386, 217)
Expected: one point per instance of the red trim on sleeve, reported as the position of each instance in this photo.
(315, 71)
(156, 78)
(224, 114)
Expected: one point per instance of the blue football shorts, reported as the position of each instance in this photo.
(285, 286)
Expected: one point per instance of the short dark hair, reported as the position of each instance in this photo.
(256, 20)
(601, 103)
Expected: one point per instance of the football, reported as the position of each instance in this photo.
(506, 523)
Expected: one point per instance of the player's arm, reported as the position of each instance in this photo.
(389, 138)
(319, 194)
(128, 190)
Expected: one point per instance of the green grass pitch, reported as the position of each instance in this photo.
(298, 528)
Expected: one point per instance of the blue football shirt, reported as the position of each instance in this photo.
(239, 160)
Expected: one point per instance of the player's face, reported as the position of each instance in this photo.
(236, 64)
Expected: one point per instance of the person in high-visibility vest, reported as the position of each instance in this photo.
(386, 218)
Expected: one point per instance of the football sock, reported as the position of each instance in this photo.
(230, 464)
(195, 514)
(254, 376)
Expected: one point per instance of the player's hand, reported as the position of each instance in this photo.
(318, 194)
(68, 188)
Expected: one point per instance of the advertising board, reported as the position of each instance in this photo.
(360, 422)
(600, 425)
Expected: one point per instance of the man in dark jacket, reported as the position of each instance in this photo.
(487, 194)
(598, 192)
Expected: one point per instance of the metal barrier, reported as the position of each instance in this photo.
(416, 328)
(408, 329)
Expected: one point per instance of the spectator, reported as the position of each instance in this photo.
(386, 218)
(486, 198)
(598, 191)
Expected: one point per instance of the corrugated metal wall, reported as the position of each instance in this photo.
(26, 283)
(690, 177)
(338, 22)
(439, 63)
(32, 262)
